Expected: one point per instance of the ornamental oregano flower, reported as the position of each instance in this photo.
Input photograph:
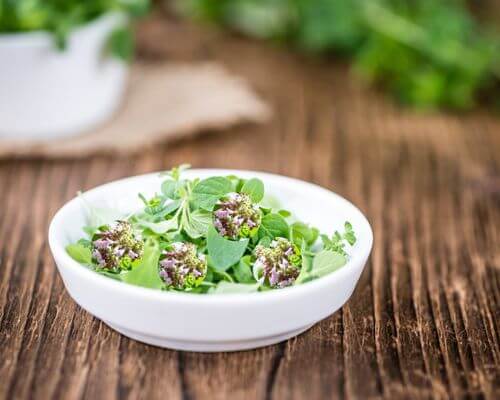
(236, 217)
(181, 267)
(116, 247)
(280, 263)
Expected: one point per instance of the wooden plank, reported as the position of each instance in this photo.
(55, 306)
(362, 379)
(240, 375)
(312, 365)
(19, 273)
(322, 345)
(40, 268)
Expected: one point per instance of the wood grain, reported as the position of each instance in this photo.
(423, 321)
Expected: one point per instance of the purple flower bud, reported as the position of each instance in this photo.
(236, 216)
(280, 263)
(116, 247)
(222, 213)
(181, 267)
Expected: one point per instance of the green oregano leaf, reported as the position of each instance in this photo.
(303, 232)
(80, 253)
(160, 227)
(145, 274)
(243, 270)
(229, 287)
(196, 223)
(169, 189)
(285, 213)
(224, 252)
(274, 225)
(325, 262)
(254, 188)
(336, 242)
(306, 267)
(208, 191)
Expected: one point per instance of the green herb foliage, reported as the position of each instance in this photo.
(207, 192)
(61, 17)
(80, 253)
(224, 252)
(184, 248)
(145, 274)
(428, 53)
(338, 241)
(274, 225)
(254, 188)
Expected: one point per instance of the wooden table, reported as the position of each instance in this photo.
(424, 319)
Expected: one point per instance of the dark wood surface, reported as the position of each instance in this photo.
(423, 321)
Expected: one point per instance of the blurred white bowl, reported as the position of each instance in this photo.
(47, 93)
(215, 322)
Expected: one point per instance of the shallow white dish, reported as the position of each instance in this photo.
(218, 322)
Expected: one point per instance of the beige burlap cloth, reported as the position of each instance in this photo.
(164, 102)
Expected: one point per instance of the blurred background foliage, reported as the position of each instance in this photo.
(61, 17)
(427, 53)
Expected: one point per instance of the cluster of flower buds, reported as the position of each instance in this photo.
(116, 247)
(181, 267)
(280, 263)
(236, 216)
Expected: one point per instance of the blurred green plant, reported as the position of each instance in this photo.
(428, 53)
(61, 17)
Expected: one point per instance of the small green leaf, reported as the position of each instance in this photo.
(169, 189)
(196, 223)
(254, 188)
(113, 275)
(306, 266)
(349, 233)
(325, 262)
(302, 232)
(171, 207)
(284, 213)
(272, 226)
(80, 253)
(175, 172)
(264, 241)
(266, 210)
(271, 202)
(243, 270)
(223, 252)
(208, 191)
(229, 287)
(336, 243)
(146, 273)
(160, 227)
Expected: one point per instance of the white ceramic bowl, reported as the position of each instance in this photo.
(47, 93)
(218, 322)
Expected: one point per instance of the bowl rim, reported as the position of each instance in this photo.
(58, 250)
